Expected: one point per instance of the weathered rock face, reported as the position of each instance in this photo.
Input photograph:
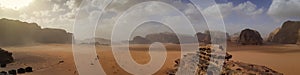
(140, 40)
(272, 35)
(5, 57)
(288, 34)
(250, 37)
(14, 32)
(206, 61)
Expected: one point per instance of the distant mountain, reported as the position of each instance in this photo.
(14, 32)
(98, 41)
(289, 33)
(167, 37)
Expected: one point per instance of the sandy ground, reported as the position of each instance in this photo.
(57, 59)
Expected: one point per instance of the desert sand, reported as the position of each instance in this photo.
(57, 59)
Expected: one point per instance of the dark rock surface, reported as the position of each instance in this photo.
(21, 71)
(250, 37)
(288, 33)
(14, 32)
(5, 57)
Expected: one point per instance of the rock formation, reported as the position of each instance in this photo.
(140, 40)
(288, 33)
(250, 37)
(14, 32)
(272, 34)
(235, 37)
(203, 38)
(298, 42)
(168, 37)
(209, 57)
(163, 38)
(5, 57)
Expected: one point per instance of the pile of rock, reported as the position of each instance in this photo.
(5, 57)
(210, 61)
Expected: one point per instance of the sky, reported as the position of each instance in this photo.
(261, 15)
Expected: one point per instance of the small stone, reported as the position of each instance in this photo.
(21, 71)
(3, 65)
(12, 72)
(3, 73)
(238, 69)
(61, 61)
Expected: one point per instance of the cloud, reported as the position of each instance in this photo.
(284, 9)
(72, 4)
(213, 11)
(248, 8)
(244, 9)
(45, 13)
(57, 8)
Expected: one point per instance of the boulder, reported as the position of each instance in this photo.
(288, 33)
(12, 72)
(5, 57)
(28, 69)
(250, 37)
(21, 71)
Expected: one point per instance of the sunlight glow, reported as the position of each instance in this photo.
(14, 4)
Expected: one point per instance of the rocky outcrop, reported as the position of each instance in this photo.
(165, 37)
(5, 57)
(140, 40)
(208, 61)
(272, 35)
(288, 33)
(14, 32)
(250, 37)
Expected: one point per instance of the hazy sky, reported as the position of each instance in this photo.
(261, 15)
